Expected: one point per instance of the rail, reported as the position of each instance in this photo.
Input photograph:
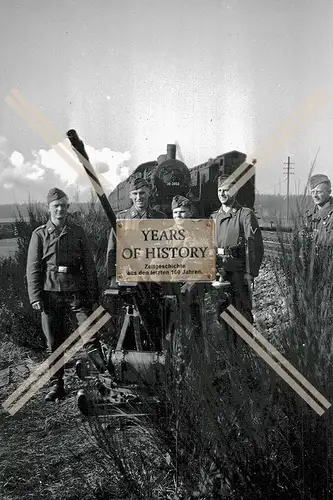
(272, 242)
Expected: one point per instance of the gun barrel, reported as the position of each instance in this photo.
(78, 146)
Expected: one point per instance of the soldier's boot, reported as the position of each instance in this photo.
(57, 391)
(82, 369)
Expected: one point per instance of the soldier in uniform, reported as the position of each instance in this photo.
(190, 293)
(148, 297)
(62, 279)
(239, 249)
(182, 208)
(319, 219)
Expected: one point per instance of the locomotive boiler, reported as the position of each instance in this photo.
(168, 176)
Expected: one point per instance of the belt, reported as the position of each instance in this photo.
(236, 252)
(63, 269)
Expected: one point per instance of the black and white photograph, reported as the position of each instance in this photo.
(151, 359)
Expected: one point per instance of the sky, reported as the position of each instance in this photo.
(131, 76)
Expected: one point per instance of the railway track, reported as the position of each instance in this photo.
(272, 245)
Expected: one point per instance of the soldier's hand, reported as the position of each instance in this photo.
(37, 306)
(94, 306)
(248, 278)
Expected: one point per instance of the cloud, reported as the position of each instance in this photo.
(17, 159)
(117, 170)
(60, 166)
(14, 170)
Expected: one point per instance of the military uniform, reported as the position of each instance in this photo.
(61, 275)
(240, 250)
(148, 298)
(130, 213)
(320, 220)
(190, 294)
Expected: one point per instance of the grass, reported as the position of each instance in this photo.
(226, 425)
(45, 453)
(8, 247)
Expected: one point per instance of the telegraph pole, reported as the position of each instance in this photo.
(287, 170)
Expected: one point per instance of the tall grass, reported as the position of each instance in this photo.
(226, 425)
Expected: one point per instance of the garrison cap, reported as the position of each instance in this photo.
(55, 194)
(318, 179)
(180, 201)
(138, 183)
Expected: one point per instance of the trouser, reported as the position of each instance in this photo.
(57, 307)
(151, 308)
(189, 319)
(191, 304)
(240, 298)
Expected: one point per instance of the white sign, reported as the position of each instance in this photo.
(165, 250)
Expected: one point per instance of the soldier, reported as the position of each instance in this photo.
(182, 208)
(190, 293)
(319, 219)
(148, 298)
(62, 279)
(239, 249)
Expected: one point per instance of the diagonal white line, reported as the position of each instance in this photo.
(46, 377)
(63, 151)
(60, 350)
(51, 137)
(273, 364)
(53, 131)
(274, 352)
(38, 116)
(318, 100)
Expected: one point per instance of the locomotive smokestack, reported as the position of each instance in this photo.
(171, 151)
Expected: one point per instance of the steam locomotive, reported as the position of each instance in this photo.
(168, 177)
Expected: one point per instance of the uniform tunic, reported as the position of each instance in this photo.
(320, 220)
(239, 238)
(50, 251)
(239, 228)
(130, 213)
(61, 274)
(149, 305)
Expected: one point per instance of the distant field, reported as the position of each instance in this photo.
(8, 247)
